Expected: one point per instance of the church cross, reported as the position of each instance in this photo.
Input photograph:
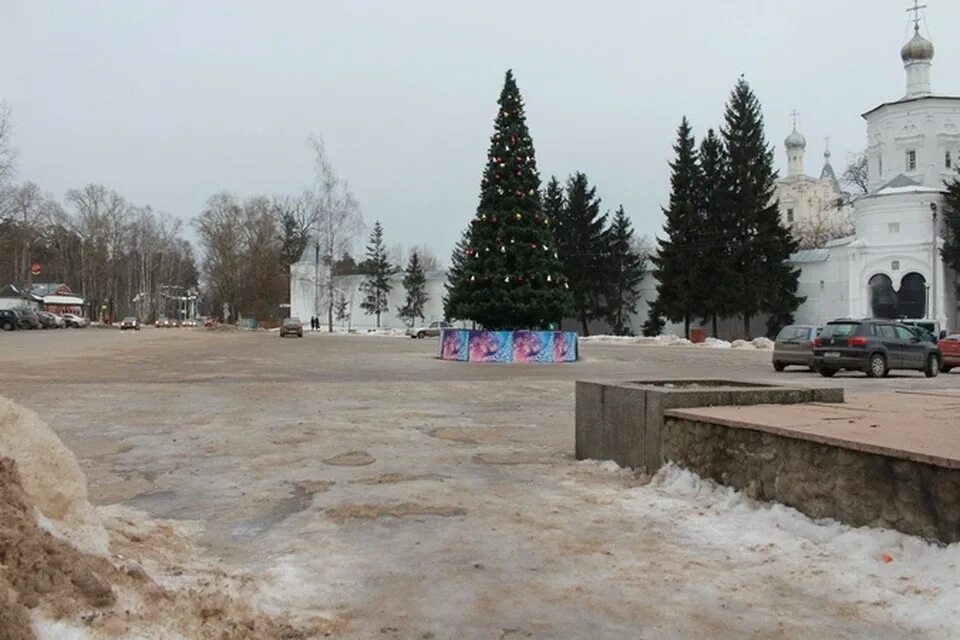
(794, 114)
(916, 13)
(826, 146)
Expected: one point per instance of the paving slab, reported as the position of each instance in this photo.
(922, 426)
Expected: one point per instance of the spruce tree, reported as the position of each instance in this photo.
(623, 272)
(377, 285)
(951, 228)
(654, 324)
(553, 203)
(414, 283)
(763, 280)
(512, 277)
(580, 242)
(455, 292)
(678, 259)
(716, 232)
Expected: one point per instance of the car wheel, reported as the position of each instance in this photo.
(933, 366)
(421, 335)
(778, 366)
(876, 366)
(7, 326)
(827, 373)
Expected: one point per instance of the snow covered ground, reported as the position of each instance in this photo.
(366, 488)
(763, 344)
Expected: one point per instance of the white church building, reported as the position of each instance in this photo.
(891, 266)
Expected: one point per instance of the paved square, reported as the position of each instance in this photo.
(364, 481)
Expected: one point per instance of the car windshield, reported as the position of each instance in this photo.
(794, 332)
(292, 321)
(840, 329)
(129, 319)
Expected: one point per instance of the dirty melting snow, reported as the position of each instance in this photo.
(914, 582)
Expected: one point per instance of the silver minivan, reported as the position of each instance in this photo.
(794, 346)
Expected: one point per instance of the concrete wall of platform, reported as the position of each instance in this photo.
(623, 421)
(822, 481)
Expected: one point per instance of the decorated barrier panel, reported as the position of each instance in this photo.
(508, 346)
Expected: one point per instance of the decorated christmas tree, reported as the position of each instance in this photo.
(511, 274)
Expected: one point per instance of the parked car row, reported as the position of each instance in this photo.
(12, 319)
(873, 346)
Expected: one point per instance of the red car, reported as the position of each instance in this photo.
(950, 347)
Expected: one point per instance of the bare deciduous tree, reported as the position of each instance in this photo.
(8, 154)
(338, 220)
(856, 174)
(830, 223)
(428, 259)
(222, 244)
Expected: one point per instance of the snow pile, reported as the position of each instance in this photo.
(764, 344)
(914, 581)
(51, 478)
(716, 343)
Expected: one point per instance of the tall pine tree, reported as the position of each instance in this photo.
(554, 203)
(414, 283)
(678, 259)
(623, 272)
(511, 273)
(377, 286)
(580, 241)
(763, 280)
(455, 292)
(716, 232)
(951, 228)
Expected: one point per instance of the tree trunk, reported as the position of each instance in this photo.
(686, 327)
(583, 321)
(746, 325)
(715, 332)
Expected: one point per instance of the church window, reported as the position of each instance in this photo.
(895, 265)
(880, 166)
(912, 160)
(948, 161)
(789, 215)
(893, 227)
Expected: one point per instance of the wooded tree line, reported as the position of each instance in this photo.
(122, 258)
(724, 250)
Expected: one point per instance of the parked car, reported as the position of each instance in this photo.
(291, 326)
(130, 322)
(28, 319)
(189, 323)
(950, 349)
(74, 321)
(874, 347)
(161, 323)
(9, 320)
(794, 346)
(50, 320)
(432, 330)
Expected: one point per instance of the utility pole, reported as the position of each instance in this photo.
(933, 263)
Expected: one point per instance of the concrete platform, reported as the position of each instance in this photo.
(884, 460)
(910, 425)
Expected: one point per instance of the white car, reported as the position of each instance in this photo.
(74, 321)
(432, 330)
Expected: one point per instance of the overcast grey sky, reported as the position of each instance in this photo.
(170, 102)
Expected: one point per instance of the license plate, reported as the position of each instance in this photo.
(831, 354)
